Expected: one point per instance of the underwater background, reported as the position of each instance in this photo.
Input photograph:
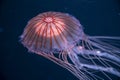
(98, 17)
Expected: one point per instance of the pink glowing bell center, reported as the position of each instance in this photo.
(50, 27)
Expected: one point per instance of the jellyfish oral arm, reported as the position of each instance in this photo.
(99, 68)
(96, 53)
(80, 51)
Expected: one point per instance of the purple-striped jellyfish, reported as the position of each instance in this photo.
(59, 37)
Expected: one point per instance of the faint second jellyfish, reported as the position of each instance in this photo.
(59, 37)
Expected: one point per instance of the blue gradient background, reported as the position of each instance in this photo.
(98, 17)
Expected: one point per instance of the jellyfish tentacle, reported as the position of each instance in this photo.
(95, 67)
(68, 66)
(108, 52)
(100, 68)
(105, 46)
(105, 37)
(106, 55)
(97, 57)
(105, 64)
(98, 53)
(74, 58)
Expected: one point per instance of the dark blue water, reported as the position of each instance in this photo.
(99, 17)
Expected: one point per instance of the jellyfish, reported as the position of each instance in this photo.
(59, 37)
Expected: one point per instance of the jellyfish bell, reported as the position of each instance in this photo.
(52, 33)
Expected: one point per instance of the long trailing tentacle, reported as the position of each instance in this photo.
(99, 48)
(79, 65)
(62, 61)
(106, 49)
